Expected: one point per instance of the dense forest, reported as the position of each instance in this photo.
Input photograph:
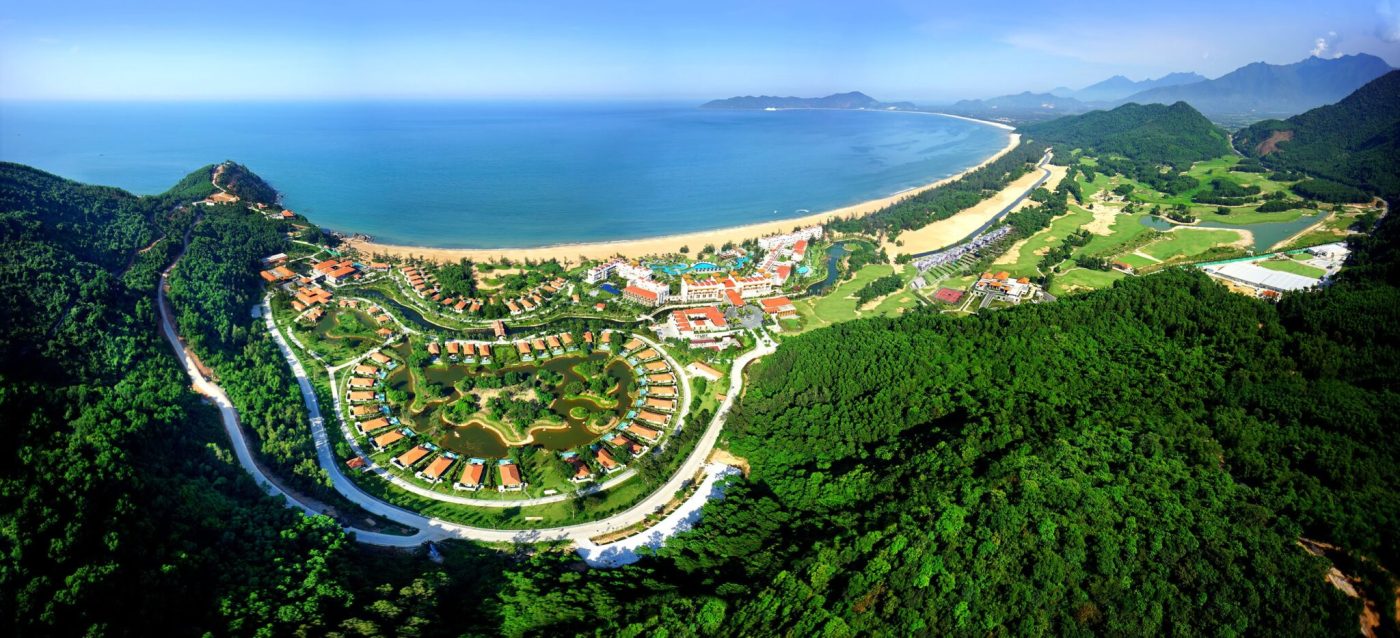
(1354, 144)
(1139, 460)
(1175, 135)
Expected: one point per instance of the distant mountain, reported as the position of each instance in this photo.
(852, 100)
(1021, 107)
(1263, 90)
(1355, 141)
(1118, 87)
(1150, 134)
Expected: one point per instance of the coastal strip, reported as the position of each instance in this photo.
(664, 244)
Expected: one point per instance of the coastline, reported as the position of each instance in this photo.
(577, 252)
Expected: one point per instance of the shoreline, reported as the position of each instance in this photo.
(666, 244)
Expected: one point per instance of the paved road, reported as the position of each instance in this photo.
(430, 529)
(434, 529)
(229, 416)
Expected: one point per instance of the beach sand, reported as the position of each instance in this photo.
(576, 253)
(945, 232)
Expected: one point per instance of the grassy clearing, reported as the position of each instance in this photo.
(1134, 260)
(840, 304)
(1289, 265)
(1188, 242)
(1125, 228)
(1023, 261)
(1245, 215)
(1082, 280)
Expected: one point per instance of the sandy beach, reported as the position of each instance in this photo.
(947, 231)
(576, 253)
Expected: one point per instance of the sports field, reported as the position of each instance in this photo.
(1187, 242)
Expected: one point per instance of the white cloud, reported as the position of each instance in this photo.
(1326, 46)
(1388, 24)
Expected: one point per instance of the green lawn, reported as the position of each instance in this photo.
(1186, 242)
(1083, 279)
(1134, 260)
(1022, 262)
(1125, 228)
(840, 304)
(1205, 172)
(1244, 215)
(1289, 265)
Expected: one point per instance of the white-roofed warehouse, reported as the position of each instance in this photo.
(1260, 277)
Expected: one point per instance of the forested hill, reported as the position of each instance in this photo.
(1137, 461)
(65, 243)
(852, 100)
(1176, 135)
(122, 511)
(1355, 142)
(247, 185)
(1140, 460)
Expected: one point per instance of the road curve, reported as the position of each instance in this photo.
(429, 529)
(434, 528)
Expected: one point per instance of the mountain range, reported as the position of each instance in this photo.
(852, 100)
(1270, 90)
(1354, 142)
(1118, 87)
(1250, 93)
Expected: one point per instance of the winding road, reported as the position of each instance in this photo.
(431, 529)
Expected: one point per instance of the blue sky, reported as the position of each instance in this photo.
(52, 49)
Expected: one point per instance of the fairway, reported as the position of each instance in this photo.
(1186, 242)
(1135, 260)
(1022, 261)
(1248, 215)
(840, 304)
(1125, 228)
(1083, 279)
(1289, 265)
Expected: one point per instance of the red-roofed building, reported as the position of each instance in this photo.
(781, 274)
(780, 306)
(690, 321)
(643, 296)
(799, 250)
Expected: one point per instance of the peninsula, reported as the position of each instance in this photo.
(852, 100)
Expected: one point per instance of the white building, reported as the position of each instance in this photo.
(773, 242)
(601, 271)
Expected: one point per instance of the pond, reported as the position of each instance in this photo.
(833, 271)
(1266, 234)
(416, 318)
(478, 440)
(337, 324)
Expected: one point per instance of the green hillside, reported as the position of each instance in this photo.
(1139, 460)
(1355, 142)
(1175, 135)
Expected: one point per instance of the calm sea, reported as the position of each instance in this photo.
(474, 174)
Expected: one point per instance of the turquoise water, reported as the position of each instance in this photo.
(457, 174)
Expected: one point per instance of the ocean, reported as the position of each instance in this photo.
(499, 174)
